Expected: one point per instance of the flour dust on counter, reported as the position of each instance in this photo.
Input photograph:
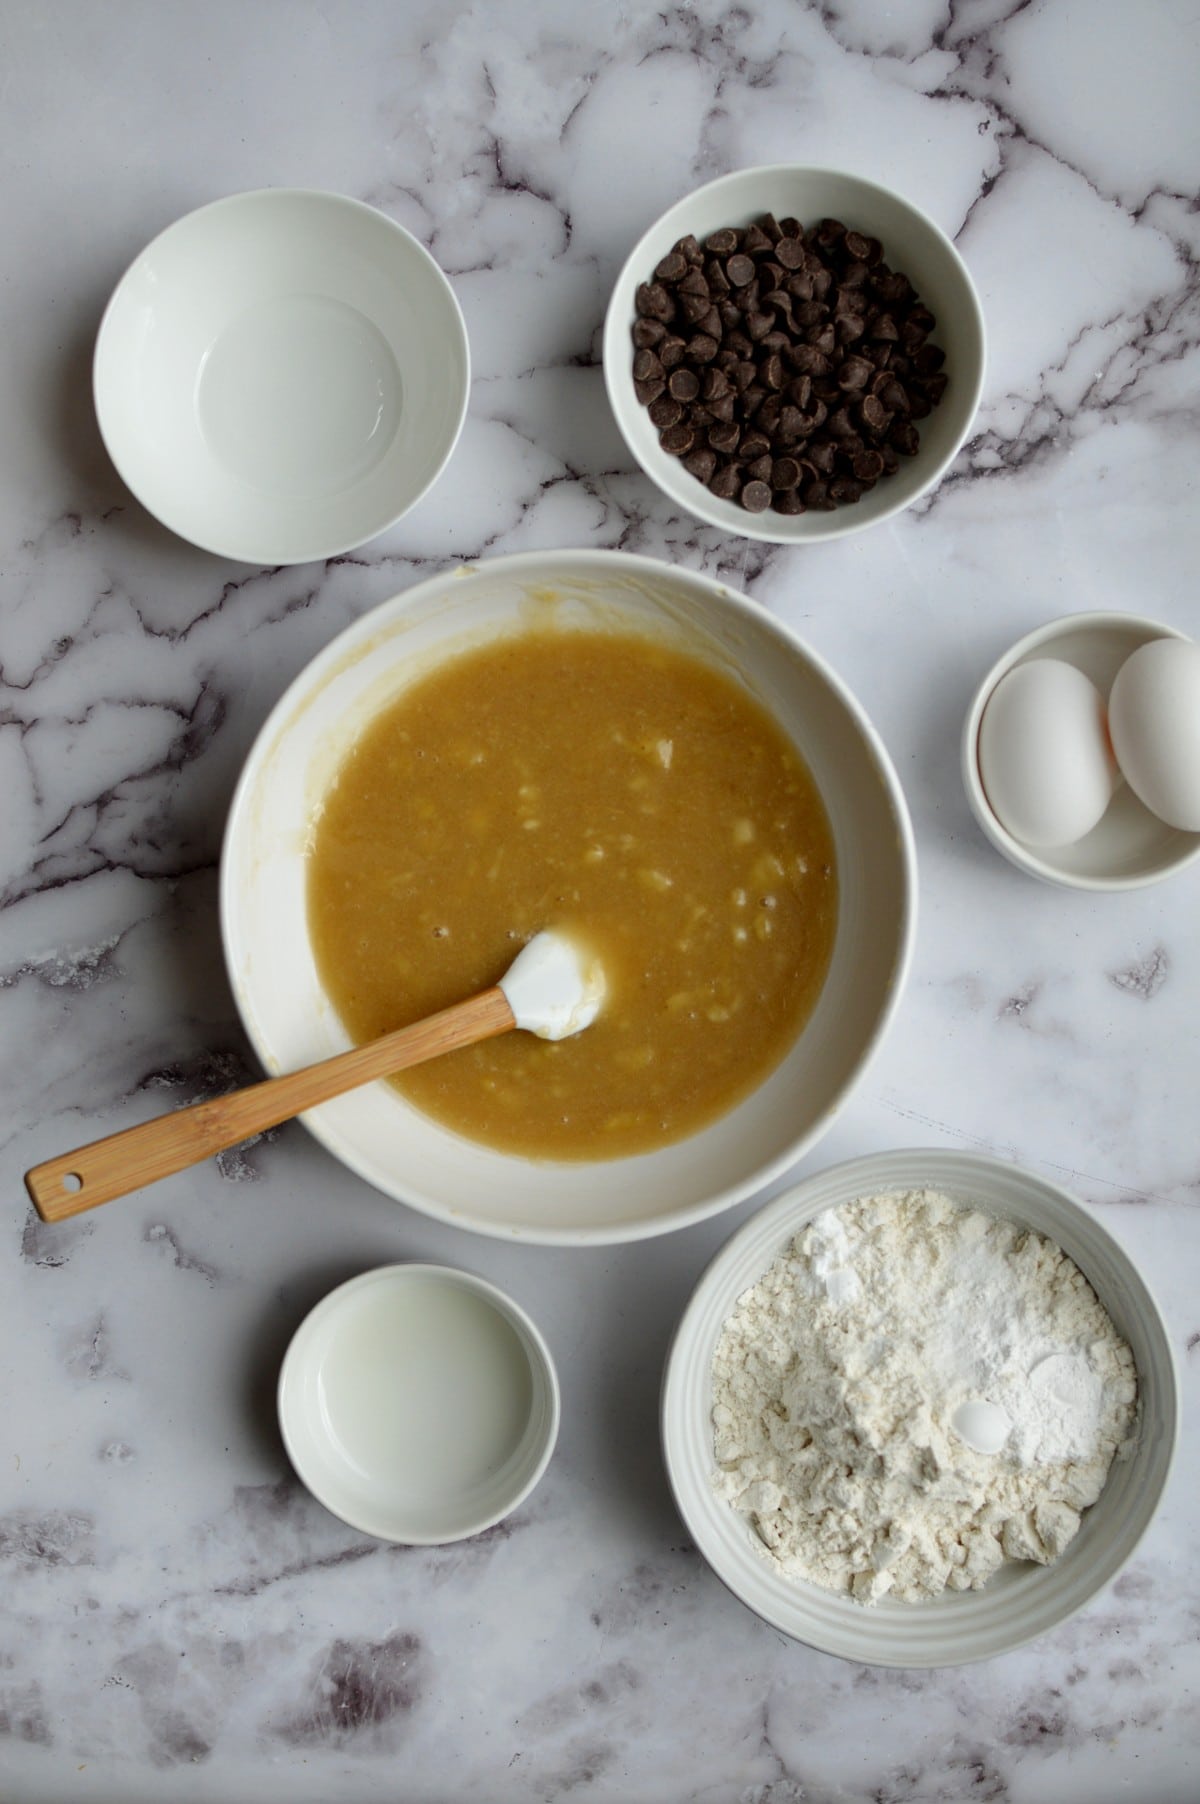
(915, 1393)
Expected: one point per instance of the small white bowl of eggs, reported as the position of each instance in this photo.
(1081, 752)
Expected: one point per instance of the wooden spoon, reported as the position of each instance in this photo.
(552, 989)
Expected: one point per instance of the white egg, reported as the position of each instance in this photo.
(1154, 717)
(1045, 760)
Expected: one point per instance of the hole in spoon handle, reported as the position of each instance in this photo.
(57, 1189)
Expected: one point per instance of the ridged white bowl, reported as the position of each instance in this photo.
(1021, 1601)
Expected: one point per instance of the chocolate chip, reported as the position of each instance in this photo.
(653, 302)
(724, 436)
(754, 445)
(678, 440)
(673, 268)
(665, 412)
(683, 384)
(935, 387)
(767, 417)
(867, 465)
(811, 337)
(855, 373)
(701, 464)
(647, 333)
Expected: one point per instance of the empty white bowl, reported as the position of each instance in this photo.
(418, 1403)
(1129, 847)
(281, 375)
(1020, 1601)
(374, 1130)
(912, 243)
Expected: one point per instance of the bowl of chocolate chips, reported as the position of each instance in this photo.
(793, 353)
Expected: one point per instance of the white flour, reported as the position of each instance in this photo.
(845, 1381)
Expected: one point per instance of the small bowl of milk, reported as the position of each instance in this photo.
(418, 1403)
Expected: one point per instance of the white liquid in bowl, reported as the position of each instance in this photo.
(418, 1404)
(429, 1396)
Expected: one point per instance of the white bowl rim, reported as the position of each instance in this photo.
(258, 196)
(538, 563)
(1026, 858)
(774, 1223)
(398, 1274)
(821, 527)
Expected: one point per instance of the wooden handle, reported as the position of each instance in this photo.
(108, 1168)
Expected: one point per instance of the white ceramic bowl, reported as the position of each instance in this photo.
(418, 1403)
(1021, 1601)
(1129, 846)
(912, 243)
(281, 375)
(373, 1130)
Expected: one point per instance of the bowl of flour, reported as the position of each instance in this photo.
(919, 1409)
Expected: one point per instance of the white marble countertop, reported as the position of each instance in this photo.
(179, 1620)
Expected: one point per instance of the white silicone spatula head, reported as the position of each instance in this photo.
(554, 987)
